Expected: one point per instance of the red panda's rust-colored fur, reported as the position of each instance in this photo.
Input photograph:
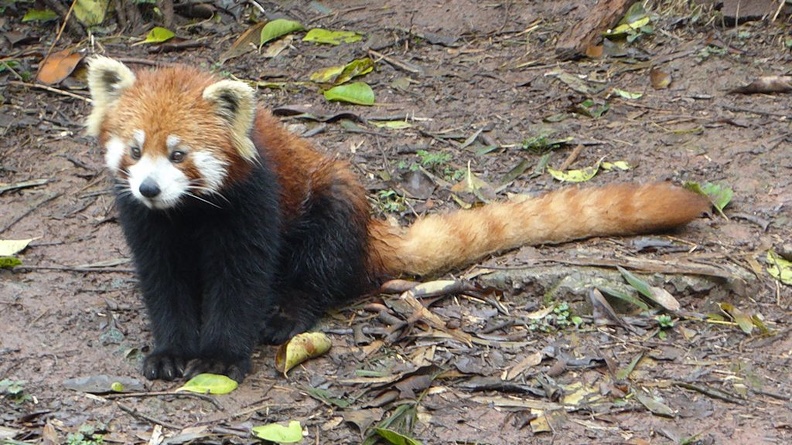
(441, 242)
(447, 241)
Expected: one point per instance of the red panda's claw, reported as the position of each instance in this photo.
(165, 366)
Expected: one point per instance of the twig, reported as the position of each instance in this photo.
(641, 265)
(759, 112)
(23, 185)
(29, 211)
(572, 157)
(50, 89)
(77, 268)
(397, 63)
(129, 395)
(147, 418)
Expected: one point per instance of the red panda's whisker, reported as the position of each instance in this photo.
(193, 195)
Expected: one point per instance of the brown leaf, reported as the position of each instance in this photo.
(49, 435)
(58, 66)
(248, 41)
(659, 79)
(594, 51)
(475, 185)
(411, 386)
(299, 349)
(363, 418)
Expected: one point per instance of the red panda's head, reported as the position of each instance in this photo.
(171, 133)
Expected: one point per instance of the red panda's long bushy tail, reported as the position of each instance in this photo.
(442, 242)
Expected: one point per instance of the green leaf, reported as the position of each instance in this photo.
(359, 93)
(39, 15)
(90, 12)
(656, 294)
(327, 75)
(159, 35)
(395, 438)
(592, 109)
(654, 406)
(275, 432)
(7, 262)
(278, 28)
(319, 35)
(622, 295)
(210, 384)
(626, 94)
(325, 396)
(343, 73)
(355, 68)
(743, 320)
(621, 165)
(10, 247)
(392, 125)
(581, 175)
(719, 195)
(779, 268)
(634, 19)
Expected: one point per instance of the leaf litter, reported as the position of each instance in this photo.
(557, 383)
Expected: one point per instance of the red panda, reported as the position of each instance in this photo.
(242, 233)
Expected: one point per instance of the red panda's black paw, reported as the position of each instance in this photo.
(235, 370)
(280, 330)
(162, 365)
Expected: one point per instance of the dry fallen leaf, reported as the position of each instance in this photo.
(58, 66)
(248, 41)
(299, 349)
(659, 79)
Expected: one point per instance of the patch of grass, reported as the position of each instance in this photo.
(87, 434)
(14, 391)
(435, 162)
(432, 160)
(388, 201)
(560, 318)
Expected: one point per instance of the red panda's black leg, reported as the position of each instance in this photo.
(206, 272)
(165, 263)
(323, 263)
(239, 248)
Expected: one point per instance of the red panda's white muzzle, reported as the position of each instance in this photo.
(157, 183)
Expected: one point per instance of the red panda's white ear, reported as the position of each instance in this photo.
(107, 80)
(235, 102)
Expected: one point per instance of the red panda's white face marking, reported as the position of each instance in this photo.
(160, 179)
(157, 183)
(171, 134)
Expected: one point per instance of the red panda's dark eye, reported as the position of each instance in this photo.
(134, 152)
(177, 156)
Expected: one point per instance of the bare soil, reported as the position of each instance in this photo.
(452, 69)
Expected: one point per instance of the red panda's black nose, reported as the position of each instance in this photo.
(149, 188)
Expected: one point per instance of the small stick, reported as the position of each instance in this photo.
(126, 395)
(77, 269)
(50, 89)
(154, 420)
(29, 211)
(398, 64)
(572, 157)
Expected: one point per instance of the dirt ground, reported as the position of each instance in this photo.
(478, 82)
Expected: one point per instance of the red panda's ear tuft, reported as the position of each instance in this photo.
(107, 80)
(235, 102)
